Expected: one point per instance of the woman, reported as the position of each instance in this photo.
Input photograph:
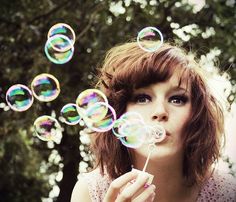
(167, 87)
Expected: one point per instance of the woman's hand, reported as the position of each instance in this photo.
(131, 186)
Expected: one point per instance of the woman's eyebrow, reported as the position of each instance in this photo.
(179, 88)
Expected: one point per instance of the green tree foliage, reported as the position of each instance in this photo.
(25, 166)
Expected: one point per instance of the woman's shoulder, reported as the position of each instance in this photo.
(219, 186)
(96, 177)
(97, 183)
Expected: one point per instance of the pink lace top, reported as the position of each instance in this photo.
(219, 187)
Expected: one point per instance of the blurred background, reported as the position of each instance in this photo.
(34, 170)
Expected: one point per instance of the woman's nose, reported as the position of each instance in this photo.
(160, 112)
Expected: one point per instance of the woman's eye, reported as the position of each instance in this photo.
(178, 99)
(142, 98)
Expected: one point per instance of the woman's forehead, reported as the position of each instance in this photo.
(177, 81)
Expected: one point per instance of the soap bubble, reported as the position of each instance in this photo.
(19, 97)
(135, 134)
(128, 117)
(45, 87)
(152, 37)
(62, 29)
(59, 49)
(107, 121)
(70, 114)
(87, 98)
(47, 128)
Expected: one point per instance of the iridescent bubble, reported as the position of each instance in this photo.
(70, 114)
(96, 112)
(133, 133)
(19, 97)
(88, 98)
(62, 29)
(128, 117)
(150, 39)
(45, 87)
(47, 128)
(106, 123)
(136, 136)
(116, 127)
(131, 128)
(59, 49)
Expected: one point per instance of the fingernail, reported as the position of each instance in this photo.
(132, 181)
(146, 185)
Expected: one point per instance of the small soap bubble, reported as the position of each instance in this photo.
(47, 128)
(19, 97)
(150, 39)
(155, 134)
(59, 49)
(62, 29)
(70, 114)
(87, 98)
(45, 87)
(104, 124)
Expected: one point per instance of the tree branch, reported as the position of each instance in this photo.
(96, 10)
(54, 10)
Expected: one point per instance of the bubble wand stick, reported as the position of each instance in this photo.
(150, 149)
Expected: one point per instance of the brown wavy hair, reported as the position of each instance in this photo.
(127, 67)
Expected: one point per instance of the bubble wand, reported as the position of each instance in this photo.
(156, 136)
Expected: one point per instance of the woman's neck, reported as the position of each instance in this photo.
(168, 178)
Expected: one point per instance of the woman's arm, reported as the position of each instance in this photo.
(81, 192)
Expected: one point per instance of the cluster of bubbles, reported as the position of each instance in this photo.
(133, 132)
(59, 47)
(44, 87)
(91, 105)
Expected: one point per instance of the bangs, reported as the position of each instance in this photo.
(154, 68)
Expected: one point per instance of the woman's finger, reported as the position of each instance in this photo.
(147, 195)
(117, 185)
(133, 189)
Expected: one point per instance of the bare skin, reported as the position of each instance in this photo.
(169, 105)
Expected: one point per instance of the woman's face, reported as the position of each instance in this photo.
(166, 104)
